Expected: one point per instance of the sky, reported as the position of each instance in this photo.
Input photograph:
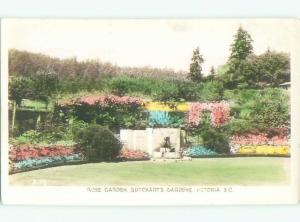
(165, 43)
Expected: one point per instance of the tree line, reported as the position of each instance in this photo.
(27, 64)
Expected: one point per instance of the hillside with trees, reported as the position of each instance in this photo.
(249, 82)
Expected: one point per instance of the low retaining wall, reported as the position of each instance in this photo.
(150, 139)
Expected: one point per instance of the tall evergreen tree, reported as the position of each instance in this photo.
(241, 49)
(242, 45)
(212, 71)
(195, 73)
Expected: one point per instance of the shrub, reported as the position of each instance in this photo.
(188, 91)
(98, 143)
(215, 140)
(120, 88)
(168, 93)
(212, 91)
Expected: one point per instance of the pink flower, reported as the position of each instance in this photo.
(220, 113)
(259, 139)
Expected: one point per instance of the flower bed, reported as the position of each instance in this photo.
(126, 155)
(198, 151)
(260, 143)
(219, 113)
(264, 150)
(24, 157)
(24, 152)
(30, 163)
(259, 139)
(167, 106)
(107, 100)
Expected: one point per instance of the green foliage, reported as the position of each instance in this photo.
(240, 126)
(136, 86)
(215, 140)
(212, 91)
(160, 90)
(45, 85)
(42, 138)
(114, 116)
(27, 64)
(222, 70)
(19, 88)
(188, 91)
(179, 91)
(241, 47)
(271, 113)
(167, 94)
(195, 73)
(35, 76)
(52, 125)
(29, 137)
(39, 87)
(212, 71)
(256, 71)
(76, 85)
(49, 130)
(258, 109)
(74, 126)
(52, 131)
(120, 88)
(270, 68)
(211, 76)
(98, 143)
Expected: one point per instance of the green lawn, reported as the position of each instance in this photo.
(215, 171)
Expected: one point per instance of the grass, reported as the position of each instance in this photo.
(214, 171)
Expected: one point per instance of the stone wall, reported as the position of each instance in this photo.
(150, 139)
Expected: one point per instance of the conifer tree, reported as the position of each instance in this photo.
(197, 60)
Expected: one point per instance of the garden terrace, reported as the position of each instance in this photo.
(220, 111)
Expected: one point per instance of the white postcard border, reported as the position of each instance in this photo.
(87, 196)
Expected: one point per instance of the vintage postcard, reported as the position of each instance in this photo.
(150, 111)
